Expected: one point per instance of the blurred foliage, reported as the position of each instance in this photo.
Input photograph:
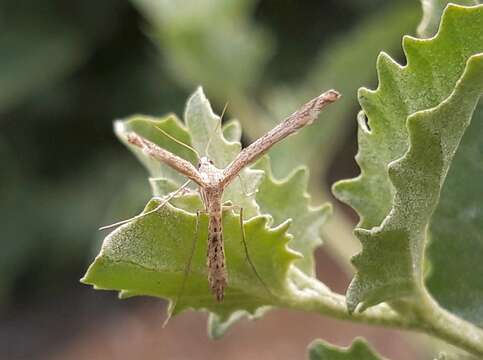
(359, 350)
(214, 39)
(68, 69)
(432, 11)
(65, 73)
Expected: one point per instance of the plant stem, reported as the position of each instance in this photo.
(423, 315)
(314, 296)
(438, 322)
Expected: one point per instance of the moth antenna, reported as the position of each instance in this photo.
(179, 142)
(216, 128)
(172, 195)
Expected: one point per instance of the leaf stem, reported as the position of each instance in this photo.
(423, 315)
(440, 323)
(313, 296)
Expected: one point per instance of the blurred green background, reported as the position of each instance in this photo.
(68, 69)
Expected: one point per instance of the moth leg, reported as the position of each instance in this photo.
(187, 268)
(164, 201)
(245, 247)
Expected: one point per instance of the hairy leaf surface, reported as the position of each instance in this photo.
(149, 256)
(459, 208)
(456, 247)
(288, 198)
(416, 119)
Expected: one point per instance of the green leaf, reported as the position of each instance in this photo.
(218, 325)
(149, 255)
(359, 350)
(432, 11)
(458, 234)
(457, 228)
(416, 119)
(288, 198)
(232, 130)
